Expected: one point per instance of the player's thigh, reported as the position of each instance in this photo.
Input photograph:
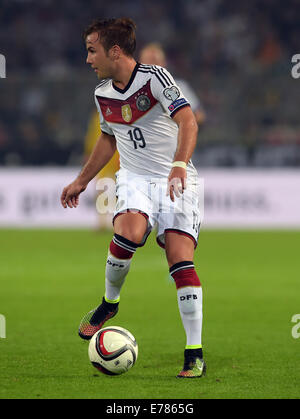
(179, 247)
(131, 225)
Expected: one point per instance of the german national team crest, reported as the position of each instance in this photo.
(143, 103)
(126, 113)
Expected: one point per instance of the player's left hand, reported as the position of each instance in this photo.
(70, 194)
(176, 182)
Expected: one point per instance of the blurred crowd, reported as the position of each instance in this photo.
(236, 55)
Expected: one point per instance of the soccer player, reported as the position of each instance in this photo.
(145, 116)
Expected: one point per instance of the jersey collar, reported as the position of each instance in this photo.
(130, 81)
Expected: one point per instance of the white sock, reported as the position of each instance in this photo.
(190, 308)
(115, 275)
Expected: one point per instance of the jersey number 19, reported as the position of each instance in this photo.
(136, 136)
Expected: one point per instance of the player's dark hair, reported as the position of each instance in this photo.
(112, 32)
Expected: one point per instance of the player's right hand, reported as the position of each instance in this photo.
(70, 194)
(176, 182)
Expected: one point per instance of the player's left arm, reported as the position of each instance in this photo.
(187, 139)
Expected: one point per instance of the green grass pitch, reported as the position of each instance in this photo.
(50, 279)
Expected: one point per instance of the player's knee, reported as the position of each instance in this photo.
(176, 256)
(131, 226)
(134, 235)
(178, 248)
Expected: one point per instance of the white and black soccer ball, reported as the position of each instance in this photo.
(113, 350)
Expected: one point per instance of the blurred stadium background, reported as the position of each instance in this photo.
(235, 55)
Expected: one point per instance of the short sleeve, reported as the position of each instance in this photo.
(166, 91)
(189, 94)
(103, 124)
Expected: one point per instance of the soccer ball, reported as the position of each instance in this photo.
(113, 350)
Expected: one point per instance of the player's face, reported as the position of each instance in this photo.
(97, 57)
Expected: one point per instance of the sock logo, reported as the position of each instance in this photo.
(188, 297)
(115, 265)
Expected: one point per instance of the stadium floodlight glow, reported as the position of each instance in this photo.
(2, 67)
(2, 327)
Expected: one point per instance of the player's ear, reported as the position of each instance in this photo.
(115, 52)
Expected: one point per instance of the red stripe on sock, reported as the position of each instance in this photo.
(119, 252)
(186, 278)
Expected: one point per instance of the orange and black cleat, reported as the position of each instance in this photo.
(95, 319)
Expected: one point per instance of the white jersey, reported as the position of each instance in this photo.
(140, 118)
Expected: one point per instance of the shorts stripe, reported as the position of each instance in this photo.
(161, 244)
(133, 210)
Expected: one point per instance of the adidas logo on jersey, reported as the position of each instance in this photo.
(108, 112)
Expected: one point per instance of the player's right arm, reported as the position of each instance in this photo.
(101, 154)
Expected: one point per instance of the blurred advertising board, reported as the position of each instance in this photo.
(252, 198)
(235, 198)
(31, 198)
